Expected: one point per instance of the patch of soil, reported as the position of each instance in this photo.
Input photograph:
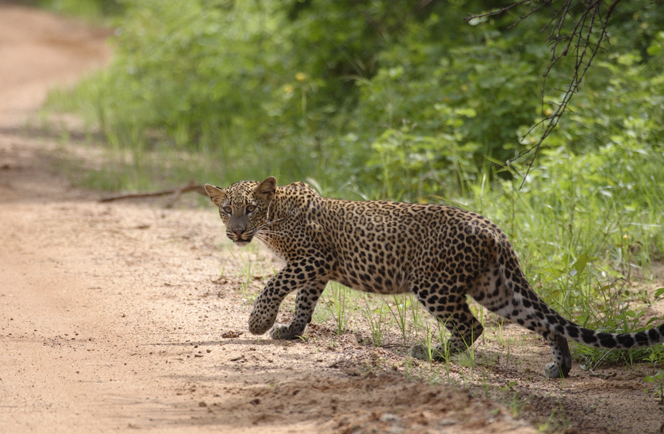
(125, 316)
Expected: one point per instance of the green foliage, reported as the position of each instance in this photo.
(370, 93)
(338, 301)
(90, 9)
(658, 380)
(204, 71)
(375, 319)
(478, 91)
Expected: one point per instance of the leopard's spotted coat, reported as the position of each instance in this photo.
(440, 253)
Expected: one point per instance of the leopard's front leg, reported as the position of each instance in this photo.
(305, 303)
(303, 274)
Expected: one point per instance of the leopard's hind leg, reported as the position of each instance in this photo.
(451, 310)
(509, 295)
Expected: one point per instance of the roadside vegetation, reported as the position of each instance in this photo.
(92, 10)
(403, 101)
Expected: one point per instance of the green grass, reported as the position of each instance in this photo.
(128, 162)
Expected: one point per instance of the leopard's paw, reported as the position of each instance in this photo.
(555, 370)
(283, 331)
(422, 352)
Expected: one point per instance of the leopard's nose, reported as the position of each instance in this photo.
(238, 232)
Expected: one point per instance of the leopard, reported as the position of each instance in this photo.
(442, 254)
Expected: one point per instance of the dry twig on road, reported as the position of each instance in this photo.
(192, 186)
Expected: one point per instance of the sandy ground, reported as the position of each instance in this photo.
(128, 316)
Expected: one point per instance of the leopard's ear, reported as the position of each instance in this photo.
(266, 189)
(216, 194)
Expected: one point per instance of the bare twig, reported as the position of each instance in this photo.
(501, 10)
(589, 20)
(192, 186)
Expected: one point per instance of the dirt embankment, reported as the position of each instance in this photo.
(128, 316)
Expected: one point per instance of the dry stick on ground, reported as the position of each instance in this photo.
(192, 186)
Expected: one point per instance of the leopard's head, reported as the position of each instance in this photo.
(244, 207)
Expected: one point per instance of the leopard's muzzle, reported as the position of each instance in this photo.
(240, 237)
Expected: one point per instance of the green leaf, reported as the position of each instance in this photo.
(555, 272)
(581, 263)
(655, 49)
(467, 112)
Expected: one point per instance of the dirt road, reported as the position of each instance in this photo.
(130, 316)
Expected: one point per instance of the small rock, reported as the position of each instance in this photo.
(231, 335)
(447, 422)
(389, 417)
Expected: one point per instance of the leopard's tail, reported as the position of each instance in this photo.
(531, 312)
(597, 339)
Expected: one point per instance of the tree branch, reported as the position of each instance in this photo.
(588, 22)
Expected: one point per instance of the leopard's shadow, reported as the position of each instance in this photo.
(232, 341)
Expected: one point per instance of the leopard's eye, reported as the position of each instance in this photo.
(250, 208)
(228, 209)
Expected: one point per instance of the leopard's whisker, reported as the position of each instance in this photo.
(269, 223)
(262, 232)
